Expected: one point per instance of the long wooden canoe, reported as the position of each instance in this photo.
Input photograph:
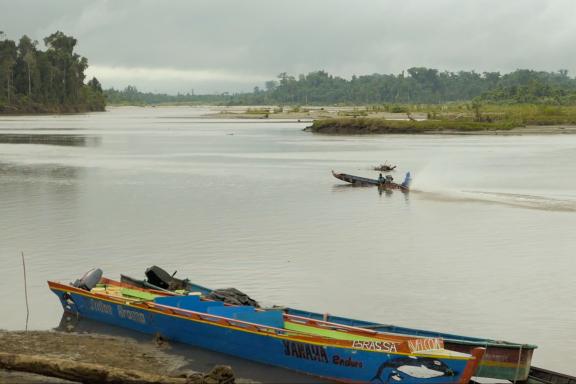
(264, 336)
(502, 359)
(359, 180)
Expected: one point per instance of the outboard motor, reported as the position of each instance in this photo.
(407, 181)
(89, 280)
(160, 278)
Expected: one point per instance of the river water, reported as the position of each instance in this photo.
(483, 246)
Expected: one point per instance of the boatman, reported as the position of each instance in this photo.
(381, 179)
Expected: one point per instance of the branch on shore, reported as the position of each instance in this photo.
(95, 373)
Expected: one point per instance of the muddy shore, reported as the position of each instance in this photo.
(109, 351)
(303, 114)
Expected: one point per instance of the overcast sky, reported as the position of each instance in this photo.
(232, 45)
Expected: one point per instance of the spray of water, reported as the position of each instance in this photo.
(453, 184)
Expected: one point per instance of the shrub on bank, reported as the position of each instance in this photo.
(376, 125)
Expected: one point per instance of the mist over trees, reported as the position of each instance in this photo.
(32, 80)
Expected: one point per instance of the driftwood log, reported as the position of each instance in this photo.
(89, 373)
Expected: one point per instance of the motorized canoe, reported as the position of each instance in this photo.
(387, 183)
(339, 353)
(502, 360)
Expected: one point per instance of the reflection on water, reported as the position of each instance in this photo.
(381, 191)
(59, 139)
(261, 212)
(190, 358)
(388, 192)
(347, 187)
(39, 171)
(38, 128)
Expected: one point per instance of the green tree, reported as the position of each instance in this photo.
(52, 80)
(8, 56)
(27, 54)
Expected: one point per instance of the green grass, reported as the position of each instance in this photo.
(451, 117)
(526, 114)
(531, 114)
(257, 111)
(377, 125)
(353, 113)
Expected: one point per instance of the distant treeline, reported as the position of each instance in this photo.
(132, 96)
(415, 86)
(35, 81)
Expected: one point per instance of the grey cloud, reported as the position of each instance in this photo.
(261, 38)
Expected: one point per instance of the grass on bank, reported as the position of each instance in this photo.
(455, 117)
(500, 114)
(525, 114)
(368, 125)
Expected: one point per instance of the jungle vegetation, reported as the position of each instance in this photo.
(415, 86)
(132, 96)
(50, 81)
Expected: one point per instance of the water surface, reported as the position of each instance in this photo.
(484, 246)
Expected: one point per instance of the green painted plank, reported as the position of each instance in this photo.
(326, 332)
(138, 294)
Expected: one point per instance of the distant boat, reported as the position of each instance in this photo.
(332, 351)
(386, 183)
(385, 168)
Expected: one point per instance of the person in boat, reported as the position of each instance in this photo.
(381, 179)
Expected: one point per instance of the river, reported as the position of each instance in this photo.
(483, 246)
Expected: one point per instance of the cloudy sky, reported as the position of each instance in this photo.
(232, 45)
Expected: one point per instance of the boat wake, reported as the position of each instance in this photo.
(501, 198)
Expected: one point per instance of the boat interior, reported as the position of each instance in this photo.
(273, 318)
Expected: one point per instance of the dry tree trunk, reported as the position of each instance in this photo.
(95, 373)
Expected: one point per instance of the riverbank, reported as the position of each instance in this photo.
(48, 109)
(456, 118)
(304, 113)
(363, 126)
(113, 354)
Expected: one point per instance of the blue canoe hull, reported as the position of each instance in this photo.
(502, 360)
(331, 362)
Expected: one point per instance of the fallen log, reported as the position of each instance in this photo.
(89, 373)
